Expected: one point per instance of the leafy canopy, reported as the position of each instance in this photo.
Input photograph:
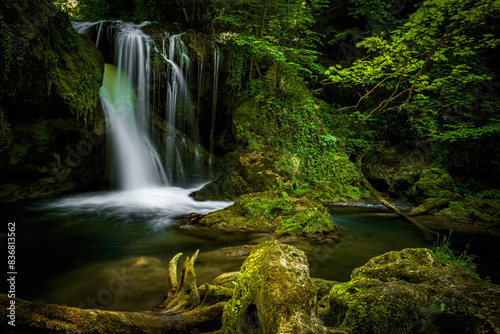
(263, 32)
(431, 68)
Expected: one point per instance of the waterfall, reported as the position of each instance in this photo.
(161, 120)
(214, 105)
(178, 105)
(135, 162)
(132, 161)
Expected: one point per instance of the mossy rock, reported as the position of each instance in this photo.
(52, 122)
(273, 294)
(474, 210)
(273, 211)
(411, 292)
(248, 171)
(243, 172)
(434, 204)
(431, 183)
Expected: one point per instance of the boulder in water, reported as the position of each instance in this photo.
(411, 292)
(273, 294)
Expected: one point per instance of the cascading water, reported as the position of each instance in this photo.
(214, 103)
(164, 113)
(178, 107)
(149, 150)
(135, 162)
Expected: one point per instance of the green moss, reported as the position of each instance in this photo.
(46, 61)
(472, 210)
(431, 183)
(17, 152)
(362, 306)
(410, 291)
(273, 293)
(310, 221)
(280, 116)
(275, 211)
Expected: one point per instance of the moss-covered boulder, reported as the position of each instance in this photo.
(411, 292)
(434, 204)
(273, 294)
(273, 211)
(430, 183)
(242, 172)
(52, 123)
(473, 211)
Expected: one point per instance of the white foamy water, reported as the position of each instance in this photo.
(158, 205)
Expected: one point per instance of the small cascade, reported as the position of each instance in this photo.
(214, 105)
(178, 105)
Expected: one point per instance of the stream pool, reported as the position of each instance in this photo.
(111, 250)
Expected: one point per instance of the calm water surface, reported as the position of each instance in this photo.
(111, 249)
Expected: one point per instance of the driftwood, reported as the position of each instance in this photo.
(427, 233)
(186, 309)
(182, 295)
(38, 317)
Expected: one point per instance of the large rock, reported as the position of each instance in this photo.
(52, 132)
(474, 211)
(273, 211)
(411, 292)
(245, 171)
(273, 294)
(432, 182)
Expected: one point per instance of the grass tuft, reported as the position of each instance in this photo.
(444, 254)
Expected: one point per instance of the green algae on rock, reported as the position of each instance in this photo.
(409, 291)
(273, 294)
(273, 211)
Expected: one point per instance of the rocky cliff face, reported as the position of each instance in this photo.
(52, 126)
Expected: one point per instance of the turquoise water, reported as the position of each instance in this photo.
(111, 250)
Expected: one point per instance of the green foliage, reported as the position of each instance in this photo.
(377, 17)
(268, 32)
(428, 85)
(445, 254)
(284, 116)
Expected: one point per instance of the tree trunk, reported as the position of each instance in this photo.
(427, 233)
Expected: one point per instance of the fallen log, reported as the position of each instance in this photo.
(183, 311)
(428, 234)
(38, 317)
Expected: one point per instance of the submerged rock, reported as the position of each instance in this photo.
(411, 292)
(273, 211)
(273, 294)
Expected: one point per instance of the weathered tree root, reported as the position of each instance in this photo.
(37, 317)
(181, 312)
(183, 294)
